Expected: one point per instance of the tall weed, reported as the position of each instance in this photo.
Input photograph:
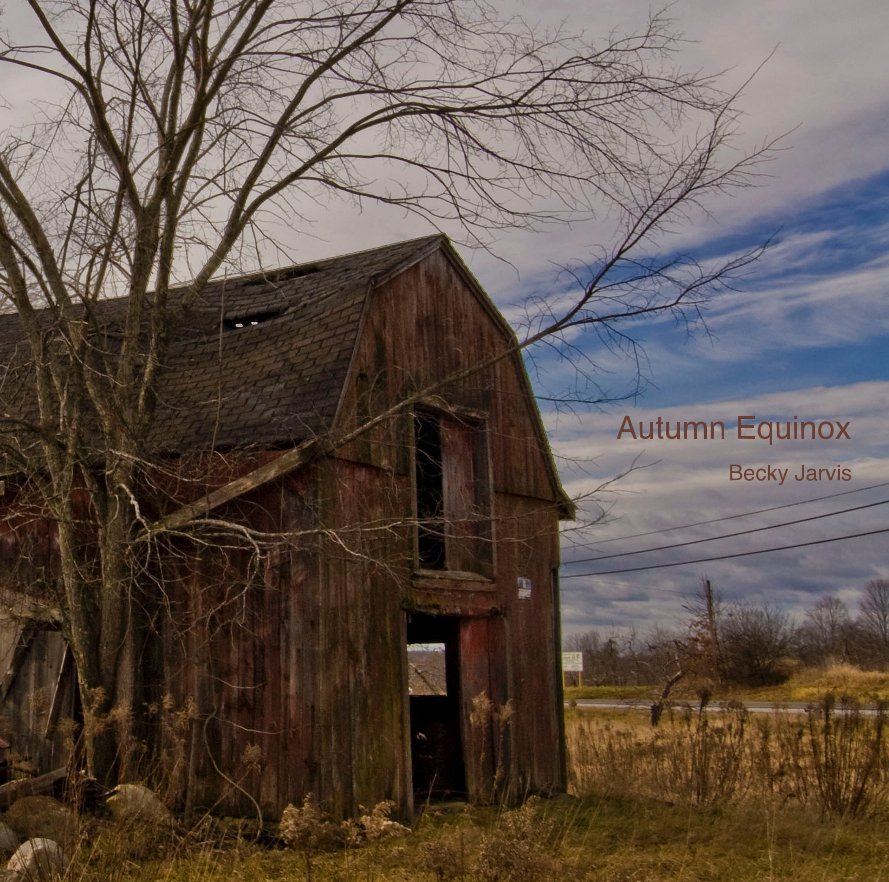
(848, 756)
(833, 758)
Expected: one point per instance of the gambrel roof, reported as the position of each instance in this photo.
(228, 383)
(259, 360)
(278, 382)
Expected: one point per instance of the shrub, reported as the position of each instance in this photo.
(847, 752)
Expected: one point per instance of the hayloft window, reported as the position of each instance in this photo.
(453, 499)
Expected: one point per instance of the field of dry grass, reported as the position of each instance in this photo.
(591, 839)
(704, 797)
(832, 759)
(810, 684)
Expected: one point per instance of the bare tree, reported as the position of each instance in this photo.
(703, 654)
(874, 616)
(184, 132)
(827, 631)
(755, 642)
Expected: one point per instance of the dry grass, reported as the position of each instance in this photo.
(832, 759)
(841, 679)
(721, 797)
(589, 839)
(805, 684)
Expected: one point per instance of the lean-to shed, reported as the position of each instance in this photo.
(358, 443)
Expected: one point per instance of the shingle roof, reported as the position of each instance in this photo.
(269, 384)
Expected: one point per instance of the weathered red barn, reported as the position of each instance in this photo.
(361, 436)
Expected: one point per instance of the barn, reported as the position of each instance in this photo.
(349, 469)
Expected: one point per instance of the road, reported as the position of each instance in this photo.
(754, 707)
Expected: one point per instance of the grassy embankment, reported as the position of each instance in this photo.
(807, 684)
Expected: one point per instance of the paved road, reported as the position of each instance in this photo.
(755, 707)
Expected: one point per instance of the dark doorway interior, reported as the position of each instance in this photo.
(436, 744)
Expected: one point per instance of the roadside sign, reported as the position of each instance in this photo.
(572, 662)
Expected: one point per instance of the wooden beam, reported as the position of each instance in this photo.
(281, 465)
(39, 786)
(66, 669)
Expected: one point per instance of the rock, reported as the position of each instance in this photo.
(135, 802)
(9, 841)
(42, 817)
(39, 859)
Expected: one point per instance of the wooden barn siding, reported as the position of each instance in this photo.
(307, 666)
(411, 340)
(422, 326)
(37, 690)
(406, 319)
(242, 645)
(508, 656)
(528, 548)
(365, 676)
(482, 678)
(38, 695)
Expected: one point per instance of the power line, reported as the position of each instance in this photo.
(733, 517)
(682, 563)
(829, 514)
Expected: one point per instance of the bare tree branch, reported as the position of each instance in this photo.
(180, 128)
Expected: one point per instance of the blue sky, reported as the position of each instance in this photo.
(805, 334)
(838, 234)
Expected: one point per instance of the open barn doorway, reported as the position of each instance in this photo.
(433, 654)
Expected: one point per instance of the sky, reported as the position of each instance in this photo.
(804, 336)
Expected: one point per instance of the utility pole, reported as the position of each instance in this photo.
(712, 632)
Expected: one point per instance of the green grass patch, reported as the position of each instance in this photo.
(617, 693)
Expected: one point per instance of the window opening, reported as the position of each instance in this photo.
(430, 497)
(453, 497)
(426, 669)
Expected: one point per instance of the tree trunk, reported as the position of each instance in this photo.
(98, 579)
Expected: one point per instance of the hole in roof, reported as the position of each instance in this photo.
(248, 320)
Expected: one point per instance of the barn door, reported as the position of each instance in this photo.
(433, 655)
(37, 693)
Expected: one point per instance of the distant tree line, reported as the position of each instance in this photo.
(736, 643)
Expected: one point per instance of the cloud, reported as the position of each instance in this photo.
(823, 85)
(687, 482)
(813, 316)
